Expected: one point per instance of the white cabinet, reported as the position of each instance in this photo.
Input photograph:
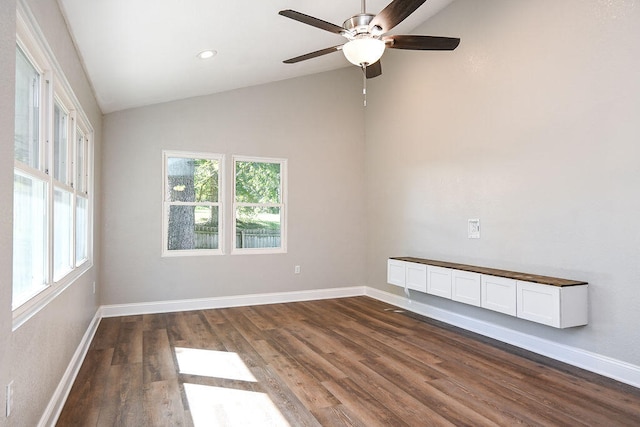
(561, 303)
(439, 281)
(560, 307)
(395, 272)
(499, 294)
(407, 274)
(416, 276)
(465, 287)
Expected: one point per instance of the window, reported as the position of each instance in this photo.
(27, 123)
(82, 197)
(259, 198)
(192, 194)
(51, 237)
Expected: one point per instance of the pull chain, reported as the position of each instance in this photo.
(364, 84)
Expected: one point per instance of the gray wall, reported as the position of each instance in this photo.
(36, 355)
(315, 122)
(7, 96)
(532, 126)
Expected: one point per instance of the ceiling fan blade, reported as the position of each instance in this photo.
(313, 54)
(395, 12)
(373, 70)
(314, 22)
(421, 42)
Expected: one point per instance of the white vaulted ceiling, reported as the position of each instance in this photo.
(142, 52)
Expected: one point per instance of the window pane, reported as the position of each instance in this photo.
(257, 182)
(27, 112)
(192, 180)
(60, 118)
(82, 221)
(29, 237)
(193, 227)
(80, 180)
(62, 233)
(258, 227)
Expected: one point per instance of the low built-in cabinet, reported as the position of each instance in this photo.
(552, 301)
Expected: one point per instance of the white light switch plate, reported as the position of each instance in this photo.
(474, 228)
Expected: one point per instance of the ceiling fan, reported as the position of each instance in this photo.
(366, 35)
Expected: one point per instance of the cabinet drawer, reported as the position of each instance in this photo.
(499, 294)
(439, 281)
(416, 276)
(539, 303)
(395, 272)
(466, 287)
(560, 307)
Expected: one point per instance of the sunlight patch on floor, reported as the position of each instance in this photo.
(213, 364)
(230, 407)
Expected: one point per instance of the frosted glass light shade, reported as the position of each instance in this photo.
(363, 51)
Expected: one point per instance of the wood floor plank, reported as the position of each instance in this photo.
(122, 402)
(337, 416)
(341, 362)
(158, 359)
(107, 333)
(128, 347)
(362, 404)
(297, 377)
(162, 404)
(315, 363)
(85, 399)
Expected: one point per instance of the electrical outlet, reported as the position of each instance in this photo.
(9, 398)
(296, 269)
(473, 228)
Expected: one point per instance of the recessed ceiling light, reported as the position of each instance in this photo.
(206, 54)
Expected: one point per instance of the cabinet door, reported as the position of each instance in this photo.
(395, 272)
(439, 281)
(560, 307)
(465, 287)
(416, 276)
(539, 303)
(499, 294)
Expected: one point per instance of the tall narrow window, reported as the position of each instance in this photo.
(62, 233)
(30, 219)
(60, 144)
(27, 131)
(259, 205)
(82, 199)
(192, 204)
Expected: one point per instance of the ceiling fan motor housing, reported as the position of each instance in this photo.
(359, 24)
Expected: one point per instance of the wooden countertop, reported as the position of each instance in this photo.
(545, 280)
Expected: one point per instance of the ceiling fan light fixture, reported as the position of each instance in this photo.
(363, 51)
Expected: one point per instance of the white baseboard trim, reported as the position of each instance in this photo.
(56, 403)
(606, 366)
(230, 301)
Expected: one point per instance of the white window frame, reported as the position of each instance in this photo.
(54, 87)
(166, 154)
(282, 205)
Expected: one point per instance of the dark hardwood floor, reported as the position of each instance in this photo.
(352, 361)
